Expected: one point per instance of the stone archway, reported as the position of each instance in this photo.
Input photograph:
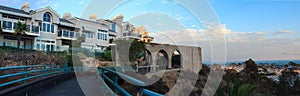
(162, 59)
(148, 58)
(176, 59)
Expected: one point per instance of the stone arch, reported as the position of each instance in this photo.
(176, 59)
(162, 59)
(148, 57)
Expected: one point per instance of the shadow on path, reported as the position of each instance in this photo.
(66, 88)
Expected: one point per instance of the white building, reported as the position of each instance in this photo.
(49, 32)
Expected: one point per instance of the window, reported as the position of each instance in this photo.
(102, 35)
(83, 35)
(47, 17)
(52, 47)
(47, 27)
(66, 33)
(38, 46)
(113, 27)
(77, 34)
(7, 25)
(35, 29)
(46, 45)
(43, 46)
(15, 26)
(90, 35)
(52, 28)
(44, 27)
(71, 34)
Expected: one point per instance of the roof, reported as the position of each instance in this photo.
(109, 21)
(90, 21)
(10, 9)
(64, 20)
(47, 7)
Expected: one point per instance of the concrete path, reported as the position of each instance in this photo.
(66, 88)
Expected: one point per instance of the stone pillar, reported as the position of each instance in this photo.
(154, 61)
(170, 59)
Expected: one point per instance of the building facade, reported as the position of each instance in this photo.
(48, 31)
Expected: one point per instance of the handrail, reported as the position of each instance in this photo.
(114, 82)
(28, 73)
(150, 93)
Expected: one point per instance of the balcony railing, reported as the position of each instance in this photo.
(66, 34)
(130, 34)
(9, 26)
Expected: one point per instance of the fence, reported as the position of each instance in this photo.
(28, 73)
(118, 88)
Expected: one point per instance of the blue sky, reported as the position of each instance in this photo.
(259, 15)
(259, 29)
(238, 15)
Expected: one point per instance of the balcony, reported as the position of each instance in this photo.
(62, 48)
(66, 34)
(9, 26)
(132, 35)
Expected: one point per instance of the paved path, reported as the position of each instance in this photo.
(66, 88)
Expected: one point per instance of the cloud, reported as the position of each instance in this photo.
(56, 4)
(240, 45)
(179, 18)
(290, 53)
(283, 32)
(194, 25)
(81, 2)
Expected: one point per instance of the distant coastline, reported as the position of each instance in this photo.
(265, 62)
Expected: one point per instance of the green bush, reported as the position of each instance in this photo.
(107, 55)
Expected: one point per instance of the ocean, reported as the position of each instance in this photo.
(266, 62)
(277, 62)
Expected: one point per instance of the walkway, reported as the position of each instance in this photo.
(66, 88)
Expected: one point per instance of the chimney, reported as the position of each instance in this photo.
(25, 7)
(93, 17)
(67, 15)
(118, 19)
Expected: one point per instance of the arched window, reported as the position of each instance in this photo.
(47, 17)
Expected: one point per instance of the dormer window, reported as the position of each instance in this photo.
(47, 17)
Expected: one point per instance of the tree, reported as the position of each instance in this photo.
(251, 67)
(107, 55)
(20, 30)
(135, 49)
(293, 64)
(287, 80)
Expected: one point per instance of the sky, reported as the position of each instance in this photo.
(258, 29)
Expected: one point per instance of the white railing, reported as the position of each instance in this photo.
(66, 34)
(63, 48)
(9, 26)
(131, 34)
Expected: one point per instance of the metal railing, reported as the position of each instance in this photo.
(118, 88)
(25, 74)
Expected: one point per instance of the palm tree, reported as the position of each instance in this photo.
(238, 90)
(20, 30)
